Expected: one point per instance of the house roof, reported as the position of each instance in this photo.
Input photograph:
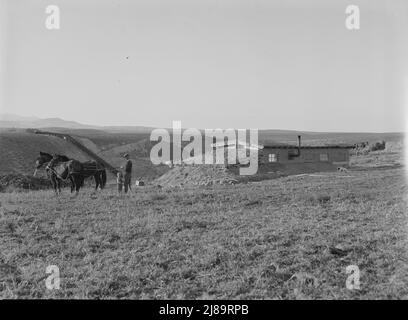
(234, 144)
(241, 144)
(308, 147)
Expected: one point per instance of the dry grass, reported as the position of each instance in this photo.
(266, 239)
(392, 156)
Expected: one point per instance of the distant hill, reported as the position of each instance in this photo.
(265, 135)
(14, 117)
(319, 138)
(15, 121)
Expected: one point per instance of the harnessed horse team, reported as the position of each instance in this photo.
(60, 168)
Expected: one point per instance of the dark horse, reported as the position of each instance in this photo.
(45, 158)
(78, 171)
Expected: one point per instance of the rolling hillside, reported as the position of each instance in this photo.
(19, 149)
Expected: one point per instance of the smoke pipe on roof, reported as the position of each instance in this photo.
(299, 144)
(295, 155)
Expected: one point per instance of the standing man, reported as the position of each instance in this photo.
(128, 173)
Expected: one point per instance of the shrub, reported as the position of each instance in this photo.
(380, 145)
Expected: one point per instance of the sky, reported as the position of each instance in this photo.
(276, 64)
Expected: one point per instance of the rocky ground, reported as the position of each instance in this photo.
(196, 175)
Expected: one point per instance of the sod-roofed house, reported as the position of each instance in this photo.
(337, 155)
(288, 159)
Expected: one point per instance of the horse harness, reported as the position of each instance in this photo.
(55, 172)
(87, 167)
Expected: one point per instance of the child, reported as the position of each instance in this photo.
(119, 181)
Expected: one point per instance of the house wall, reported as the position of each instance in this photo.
(337, 156)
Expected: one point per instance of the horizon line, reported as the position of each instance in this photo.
(170, 128)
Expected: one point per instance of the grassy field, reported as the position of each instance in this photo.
(261, 240)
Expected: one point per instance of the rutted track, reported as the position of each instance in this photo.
(80, 146)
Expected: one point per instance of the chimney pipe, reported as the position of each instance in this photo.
(299, 145)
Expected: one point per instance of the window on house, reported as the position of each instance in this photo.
(324, 157)
(272, 157)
